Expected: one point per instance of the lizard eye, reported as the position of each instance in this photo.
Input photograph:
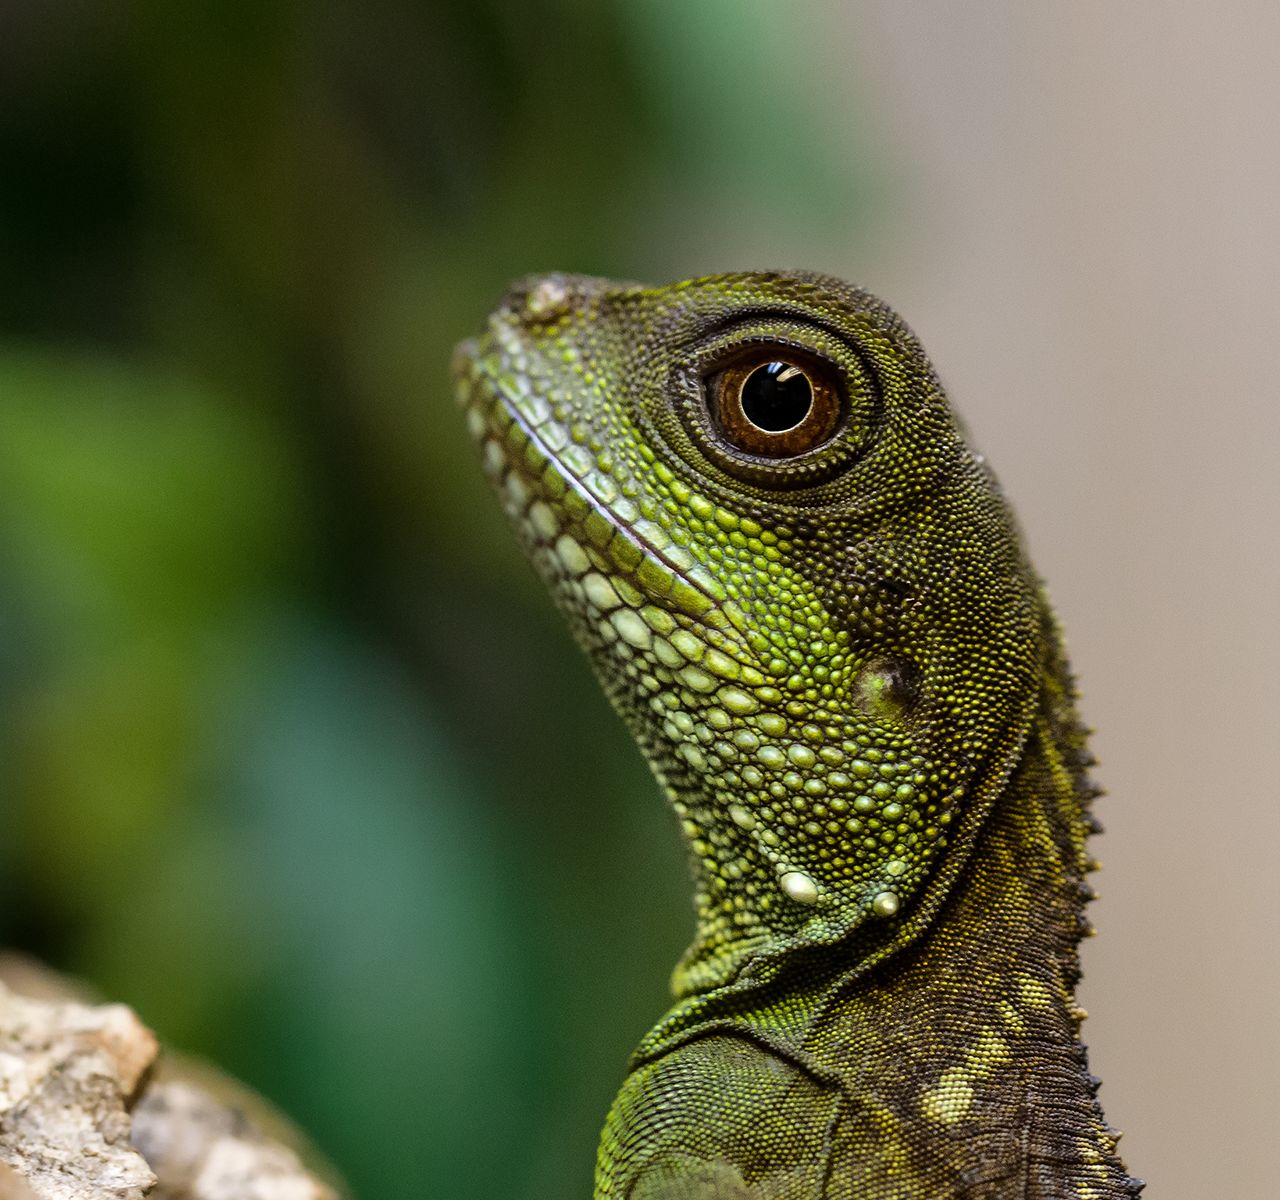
(774, 406)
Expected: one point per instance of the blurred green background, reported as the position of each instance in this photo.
(297, 759)
(295, 755)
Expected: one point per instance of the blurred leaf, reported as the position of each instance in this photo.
(736, 88)
(143, 518)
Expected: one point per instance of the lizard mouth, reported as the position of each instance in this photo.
(586, 535)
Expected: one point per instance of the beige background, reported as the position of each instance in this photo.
(1092, 256)
(1082, 222)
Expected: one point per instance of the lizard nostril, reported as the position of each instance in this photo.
(539, 299)
(547, 299)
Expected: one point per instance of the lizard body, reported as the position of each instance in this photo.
(808, 599)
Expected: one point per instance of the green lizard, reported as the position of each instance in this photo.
(807, 598)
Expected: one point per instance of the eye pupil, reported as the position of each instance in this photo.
(778, 408)
(776, 396)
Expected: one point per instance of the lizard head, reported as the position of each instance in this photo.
(797, 584)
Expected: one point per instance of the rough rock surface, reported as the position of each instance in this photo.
(85, 1114)
(67, 1076)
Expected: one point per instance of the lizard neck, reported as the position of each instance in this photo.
(955, 1056)
(963, 1052)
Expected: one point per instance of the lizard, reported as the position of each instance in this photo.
(808, 598)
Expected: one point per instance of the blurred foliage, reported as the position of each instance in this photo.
(296, 757)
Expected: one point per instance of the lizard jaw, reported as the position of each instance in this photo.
(586, 536)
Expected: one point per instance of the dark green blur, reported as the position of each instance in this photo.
(295, 756)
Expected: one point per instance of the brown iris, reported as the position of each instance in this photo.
(776, 406)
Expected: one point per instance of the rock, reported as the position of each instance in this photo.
(85, 1113)
(204, 1149)
(67, 1075)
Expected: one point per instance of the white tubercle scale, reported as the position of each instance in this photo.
(885, 904)
(799, 887)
